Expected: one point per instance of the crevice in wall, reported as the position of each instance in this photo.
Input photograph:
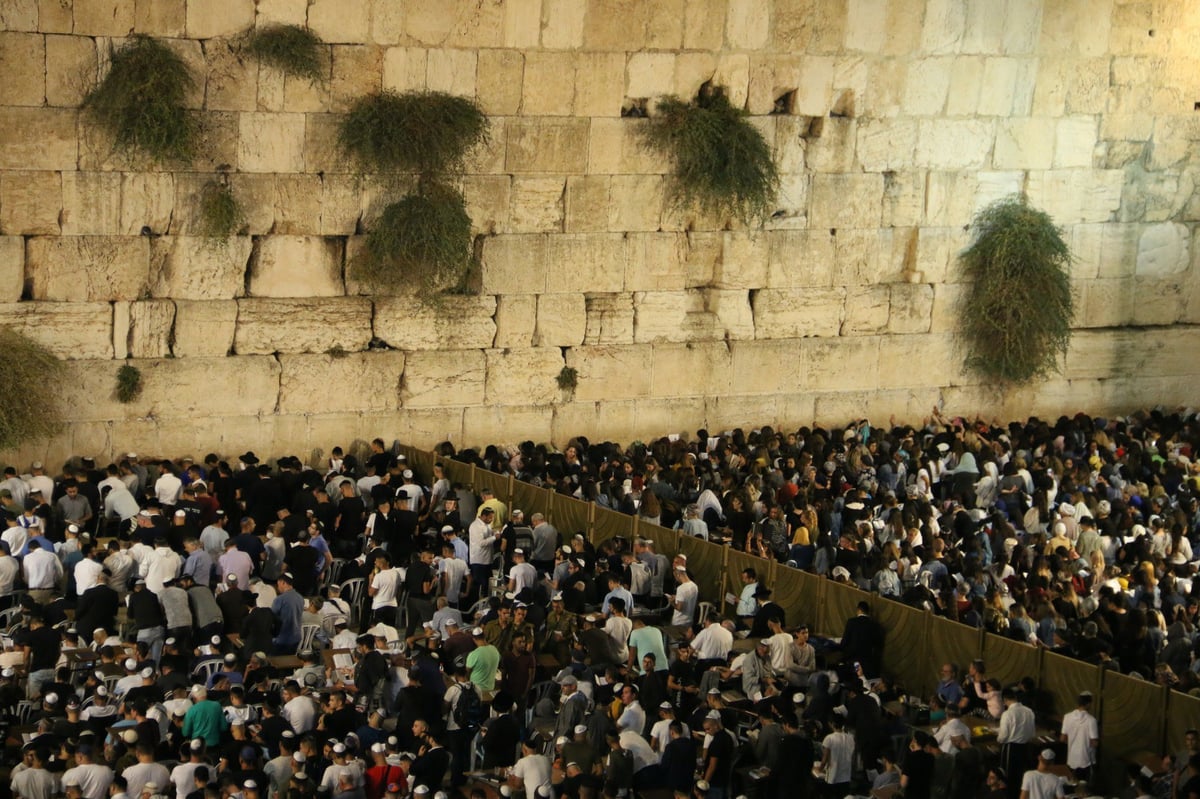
(634, 108)
(251, 263)
(785, 103)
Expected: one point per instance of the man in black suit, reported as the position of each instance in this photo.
(862, 642)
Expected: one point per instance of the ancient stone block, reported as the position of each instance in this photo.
(561, 320)
(512, 264)
(451, 71)
(162, 17)
(30, 202)
(886, 144)
(537, 204)
(587, 203)
(656, 262)
(342, 383)
(302, 325)
(216, 18)
(832, 364)
(147, 201)
(846, 201)
(91, 203)
(150, 326)
(562, 24)
(694, 369)
(549, 85)
(911, 308)
(1075, 195)
(232, 83)
(954, 144)
(1164, 249)
(204, 328)
(516, 319)
(584, 262)
(547, 146)
(1074, 142)
(71, 330)
(928, 83)
(87, 268)
(103, 17)
(766, 367)
(409, 323)
(798, 313)
(198, 268)
(635, 202)
(12, 268)
(527, 376)
(405, 68)
(743, 261)
(47, 141)
(814, 93)
(599, 79)
(616, 148)
(22, 15)
(340, 21)
(297, 266)
(489, 203)
(834, 150)
(447, 377)
(23, 62)
(70, 65)
(948, 299)
(271, 142)
(695, 315)
(608, 371)
(609, 319)
(650, 75)
(498, 81)
(1024, 143)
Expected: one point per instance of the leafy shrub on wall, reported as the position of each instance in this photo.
(289, 48)
(29, 390)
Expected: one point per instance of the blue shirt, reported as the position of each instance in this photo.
(289, 607)
(623, 593)
(321, 545)
(199, 565)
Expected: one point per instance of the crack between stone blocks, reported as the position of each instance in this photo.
(278, 384)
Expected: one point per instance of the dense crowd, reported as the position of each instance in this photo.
(281, 631)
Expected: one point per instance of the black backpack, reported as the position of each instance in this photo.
(468, 710)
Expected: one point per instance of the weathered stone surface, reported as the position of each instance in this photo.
(340, 20)
(1024, 143)
(1077, 195)
(635, 202)
(451, 71)
(743, 261)
(91, 203)
(71, 330)
(547, 146)
(499, 79)
(687, 370)
(12, 268)
(197, 268)
(850, 201)
(409, 323)
(355, 381)
(766, 367)
(886, 144)
(232, 83)
(798, 313)
(561, 320)
(30, 202)
(147, 201)
(548, 88)
(158, 17)
(656, 262)
(102, 17)
(1163, 250)
(516, 319)
(537, 204)
(615, 147)
(609, 319)
(214, 18)
(297, 266)
(527, 376)
(911, 308)
(204, 328)
(267, 326)
(448, 377)
(405, 68)
(87, 268)
(605, 372)
(47, 138)
(799, 258)
(954, 144)
(150, 327)
(599, 78)
(697, 315)
(1074, 142)
(22, 61)
(584, 262)
(271, 142)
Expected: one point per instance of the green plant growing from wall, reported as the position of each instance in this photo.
(423, 239)
(289, 48)
(720, 162)
(140, 102)
(1016, 319)
(221, 214)
(129, 383)
(30, 387)
(568, 378)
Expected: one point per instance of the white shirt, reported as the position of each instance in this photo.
(1081, 729)
(163, 564)
(619, 628)
(385, 584)
(712, 643)
(92, 778)
(687, 595)
(780, 646)
(523, 576)
(746, 605)
(139, 774)
(16, 538)
(167, 488)
(87, 574)
(946, 734)
(455, 570)
(534, 771)
(632, 719)
(840, 746)
(1042, 785)
(182, 777)
(483, 540)
(42, 569)
(1017, 725)
(300, 713)
(636, 745)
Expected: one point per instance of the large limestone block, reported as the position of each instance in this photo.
(23, 63)
(704, 25)
(903, 199)
(1076, 195)
(91, 203)
(584, 262)
(766, 367)
(954, 143)
(1164, 249)
(355, 381)
(615, 147)
(448, 70)
(800, 258)
(695, 369)
(489, 203)
(150, 328)
(945, 25)
(834, 150)
(798, 313)
(859, 259)
(12, 268)
(342, 21)
(159, 17)
(635, 202)
(1104, 250)
(147, 201)
(548, 88)
(1024, 143)
(297, 266)
(867, 310)
(1074, 142)
(553, 146)
(609, 319)
(47, 138)
(993, 186)
(912, 308)
(650, 75)
(537, 204)
(516, 319)
(410, 323)
(693, 315)
(271, 142)
(527, 376)
(733, 75)
(561, 320)
(814, 93)
(966, 83)
(948, 302)
(562, 24)
(88, 268)
(587, 203)
(498, 81)
(840, 363)
(443, 378)
(747, 24)
(22, 15)
(866, 25)
(102, 17)
(928, 84)
(30, 203)
(197, 268)
(611, 372)
(886, 144)
(232, 83)
(506, 423)
(1077, 26)
(71, 330)
(949, 198)
(514, 264)
(204, 329)
(656, 262)
(297, 205)
(213, 18)
(599, 78)
(405, 69)
(266, 326)
(846, 201)
(743, 261)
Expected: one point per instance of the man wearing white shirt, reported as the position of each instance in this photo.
(384, 584)
(522, 575)
(89, 570)
(164, 565)
(452, 572)
(482, 539)
(298, 710)
(746, 605)
(951, 729)
(168, 485)
(684, 600)
(633, 717)
(40, 481)
(93, 779)
(712, 644)
(618, 626)
(1081, 734)
(43, 572)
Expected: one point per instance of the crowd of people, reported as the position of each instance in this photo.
(282, 631)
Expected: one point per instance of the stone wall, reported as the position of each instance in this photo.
(903, 118)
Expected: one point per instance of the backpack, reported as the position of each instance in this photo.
(468, 710)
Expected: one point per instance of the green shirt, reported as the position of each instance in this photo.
(205, 720)
(483, 662)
